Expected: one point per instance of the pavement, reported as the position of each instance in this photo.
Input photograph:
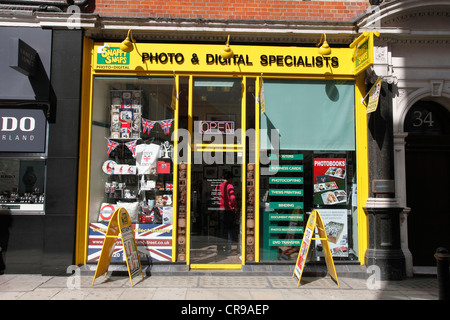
(220, 285)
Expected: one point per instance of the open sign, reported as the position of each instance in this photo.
(217, 127)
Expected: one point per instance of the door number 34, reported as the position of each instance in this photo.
(421, 119)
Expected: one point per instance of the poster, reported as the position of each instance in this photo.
(119, 227)
(154, 240)
(335, 222)
(330, 186)
(315, 222)
(374, 96)
(304, 248)
(129, 244)
(212, 186)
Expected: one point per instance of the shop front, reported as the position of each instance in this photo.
(220, 161)
(39, 107)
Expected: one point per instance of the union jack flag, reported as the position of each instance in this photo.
(153, 240)
(111, 146)
(169, 186)
(147, 125)
(165, 125)
(132, 147)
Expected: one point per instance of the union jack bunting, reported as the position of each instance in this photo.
(153, 240)
(147, 125)
(111, 146)
(165, 125)
(132, 147)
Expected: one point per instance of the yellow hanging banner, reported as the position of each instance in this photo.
(173, 104)
(315, 220)
(120, 227)
(374, 96)
(260, 99)
(363, 51)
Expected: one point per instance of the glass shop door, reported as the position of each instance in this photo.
(216, 182)
(216, 212)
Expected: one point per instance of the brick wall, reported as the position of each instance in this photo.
(298, 10)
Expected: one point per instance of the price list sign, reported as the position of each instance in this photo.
(283, 217)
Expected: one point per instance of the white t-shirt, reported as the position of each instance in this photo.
(146, 156)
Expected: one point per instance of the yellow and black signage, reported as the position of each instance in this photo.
(119, 228)
(207, 58)
(246, 59)
(314, 221)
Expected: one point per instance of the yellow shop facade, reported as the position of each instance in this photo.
(163, 124)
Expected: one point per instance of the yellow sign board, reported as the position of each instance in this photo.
(315, 220)
(206, 58)
(363, 51)
(374, 96)
(120, 227)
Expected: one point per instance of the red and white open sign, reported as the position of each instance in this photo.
(216, 127)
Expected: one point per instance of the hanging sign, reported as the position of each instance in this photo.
(374, 96)
(363, 51)
(314, 221)
(23, 57)
(216, 127)
(260, 99)
(120, 227)
(175, 96)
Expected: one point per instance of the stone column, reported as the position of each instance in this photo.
(382, 207)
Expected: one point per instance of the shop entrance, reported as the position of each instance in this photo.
(216, 214)
(216, 181)
(427, 176)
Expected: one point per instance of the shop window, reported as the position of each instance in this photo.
(131, 162)
(23, 162)
(22, 186)
(217, 104)
(309, 115)
(308, 162)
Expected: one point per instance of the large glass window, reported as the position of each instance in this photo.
(307, 162)
(22, 186)
(309, 115)
(23, 144)
(131, 162)
(217, 104)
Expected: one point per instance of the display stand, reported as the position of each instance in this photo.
(120, 227)
(314, 221)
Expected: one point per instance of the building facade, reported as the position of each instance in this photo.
(155, 126)
(411, 57)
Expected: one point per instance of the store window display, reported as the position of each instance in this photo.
(311, 164)
(131, 162)
(22, 186)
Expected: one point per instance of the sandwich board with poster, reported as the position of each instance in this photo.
(120, 227)
(314, 221)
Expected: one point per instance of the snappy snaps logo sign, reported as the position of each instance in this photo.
(362, 56)
(112, 58)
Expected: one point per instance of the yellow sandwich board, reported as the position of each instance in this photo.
(314, 221)
(119, 227)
